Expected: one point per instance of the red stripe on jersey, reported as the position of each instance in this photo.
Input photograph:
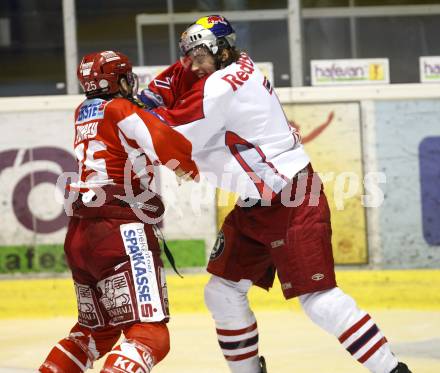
(372, 350)
(344, 336)
(232, 140)
(270, 164)
(227, 332)
(259, 183)
(241, 357)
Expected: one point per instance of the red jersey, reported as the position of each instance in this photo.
(110, 133)
(173, 84)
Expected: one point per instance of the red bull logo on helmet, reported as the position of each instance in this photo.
(201, 31)
(210, 21)
(216, 19)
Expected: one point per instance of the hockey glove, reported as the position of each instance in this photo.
(150, 99)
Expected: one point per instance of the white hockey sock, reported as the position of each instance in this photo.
(235, 323)
(240, 348)
(338, 314)
(366, 343)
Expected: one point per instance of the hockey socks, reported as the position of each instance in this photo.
(338, 314)
(235, 323)
(240, 348)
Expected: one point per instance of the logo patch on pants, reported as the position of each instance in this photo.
(88, 311)
(277, 243)
(317, 277)
(219, 246)
(149, 304)
(116, 298)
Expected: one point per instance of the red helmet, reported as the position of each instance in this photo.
(99, 73)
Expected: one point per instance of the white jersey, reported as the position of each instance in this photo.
(241, 138)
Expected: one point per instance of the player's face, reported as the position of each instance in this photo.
(200, 61)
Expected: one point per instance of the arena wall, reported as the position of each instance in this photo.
(376, 146)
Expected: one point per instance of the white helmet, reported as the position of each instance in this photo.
(214, 32)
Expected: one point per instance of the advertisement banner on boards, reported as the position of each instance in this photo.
(350, 72)
(429, 68)
(36, 147)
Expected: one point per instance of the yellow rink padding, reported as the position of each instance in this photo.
(409, 289)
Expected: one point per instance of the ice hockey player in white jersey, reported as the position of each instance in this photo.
(241, 140)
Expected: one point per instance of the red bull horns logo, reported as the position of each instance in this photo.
(211, 21)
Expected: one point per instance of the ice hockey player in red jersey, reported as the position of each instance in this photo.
(242, 142)
(111, 246)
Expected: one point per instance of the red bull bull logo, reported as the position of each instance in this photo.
(210, 21)
(217, 19)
